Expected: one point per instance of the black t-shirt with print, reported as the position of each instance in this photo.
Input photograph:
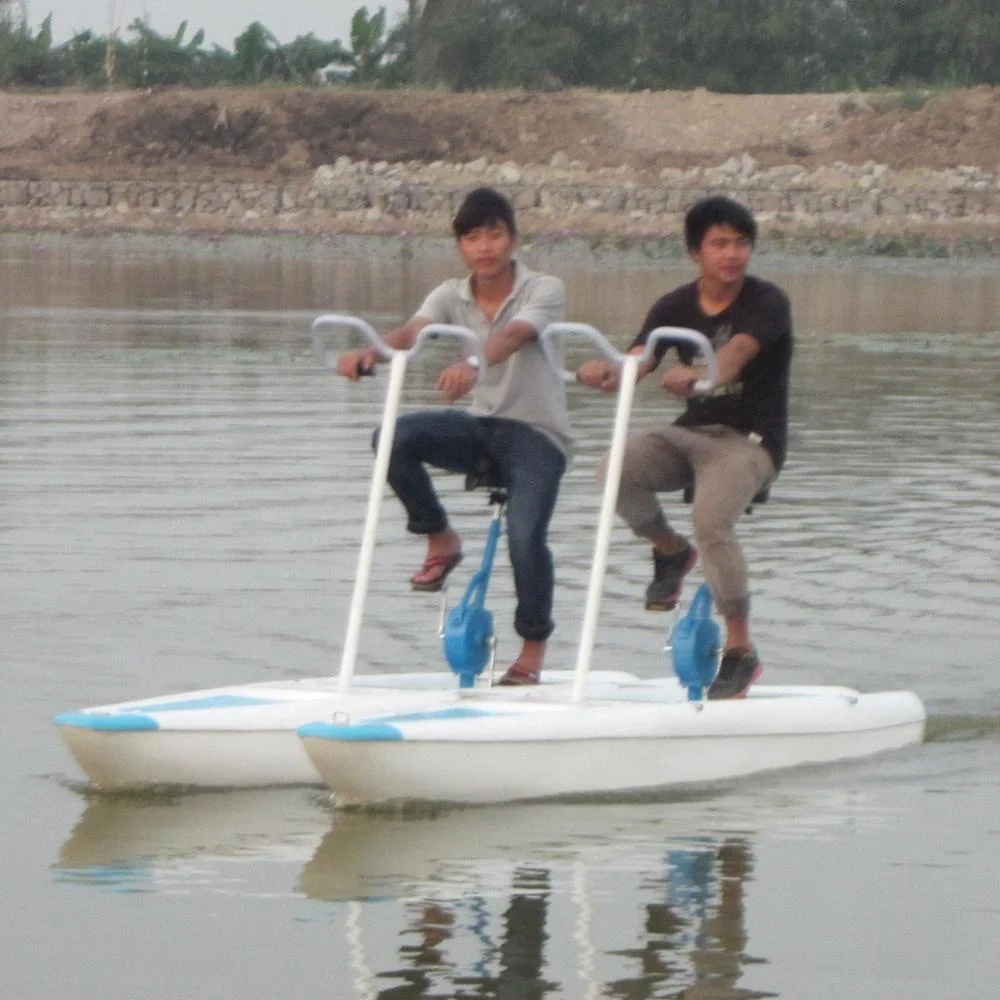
(758, 400)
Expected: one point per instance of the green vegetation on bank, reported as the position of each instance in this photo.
(753, 46)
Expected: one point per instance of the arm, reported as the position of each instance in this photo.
(604, 375)
(460, 378)
(732, 359)
(545, 304)
(763, 324)
(353, 364)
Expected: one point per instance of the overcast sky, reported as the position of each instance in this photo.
(327, 19)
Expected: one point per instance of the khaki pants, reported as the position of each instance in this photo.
(727, 470)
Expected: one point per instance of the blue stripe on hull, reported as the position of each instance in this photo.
(138, 718)
(196, 704)
(383, 728)
(125, 723)
(441, 713)
(363, 731)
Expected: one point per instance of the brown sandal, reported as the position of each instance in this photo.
(519, 675)
(443, 563)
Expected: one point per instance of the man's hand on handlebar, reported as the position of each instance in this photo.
(599, 374)
(355, 364)
(681, 381)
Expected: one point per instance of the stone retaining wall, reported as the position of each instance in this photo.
(350, 194)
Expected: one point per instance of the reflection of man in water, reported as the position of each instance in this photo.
(520, 953)
(702, 919)
(719, 963)
(693, 941)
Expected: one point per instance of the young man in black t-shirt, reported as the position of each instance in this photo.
(728, 445)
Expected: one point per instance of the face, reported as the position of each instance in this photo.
(724, 255)
(487, 250)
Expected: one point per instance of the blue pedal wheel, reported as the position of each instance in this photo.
(695, 645)
(467, 633)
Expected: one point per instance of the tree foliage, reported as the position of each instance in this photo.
(757, 46)
(256, 55)
(154, 59)
(27, 59)
(369, 45)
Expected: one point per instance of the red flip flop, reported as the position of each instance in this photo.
(519, 675)
(445, 564)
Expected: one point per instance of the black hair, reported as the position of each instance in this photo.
(717, 210)
(483, 206)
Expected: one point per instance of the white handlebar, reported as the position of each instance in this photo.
(656, 337)
(322, 325)
(696, 339)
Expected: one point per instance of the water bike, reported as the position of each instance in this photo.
(244, 735)
(453, 736)
(599, 734)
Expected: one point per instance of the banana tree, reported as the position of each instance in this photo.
(160, 59)
(26, 59)
(369, 46)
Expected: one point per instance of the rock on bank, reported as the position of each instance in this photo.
(378, 197)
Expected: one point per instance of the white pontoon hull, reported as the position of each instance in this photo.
(495, 751)
(242, 736)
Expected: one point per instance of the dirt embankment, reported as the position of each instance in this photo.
(902, 166)
(254, 135)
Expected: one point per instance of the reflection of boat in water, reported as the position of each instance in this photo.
(132, 833)
(583, 901)
(563, 900)
(529, 901)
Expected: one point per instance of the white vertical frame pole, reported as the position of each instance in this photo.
(628, 377)
(616, 457)
(380, 473)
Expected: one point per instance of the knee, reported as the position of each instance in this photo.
(635, 466)
(711, 530)
(629, 467)
(404, 437)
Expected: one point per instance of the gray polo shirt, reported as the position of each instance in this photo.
(525, 387)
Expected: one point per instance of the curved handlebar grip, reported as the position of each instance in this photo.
(657, 336)
(696, 339)
(434, 330)
(322, 324)
(555, 330)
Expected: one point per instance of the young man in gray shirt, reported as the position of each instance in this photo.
(517, 421)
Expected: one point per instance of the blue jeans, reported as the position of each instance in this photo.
(530, 467)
